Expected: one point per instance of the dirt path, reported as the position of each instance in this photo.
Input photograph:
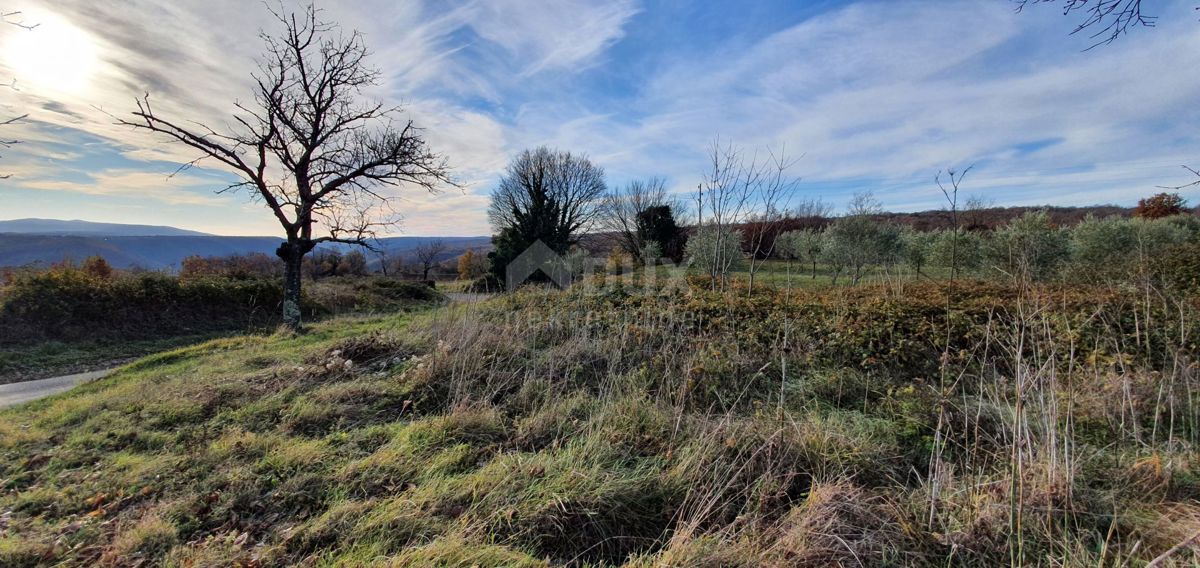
(16, 393)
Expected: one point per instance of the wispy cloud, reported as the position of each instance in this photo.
(181, 189)
(877, 95)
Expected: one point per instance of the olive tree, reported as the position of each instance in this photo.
(915, 248)
(1029, 248)
(311, 146)
(961, 251)
(714, 250)
(859, 240)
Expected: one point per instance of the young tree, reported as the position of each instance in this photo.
(311, 146)
(1160, 205)
(915, 247)
(741, 187)
(949, 190)
(712, 244)
(963, 251)
(427, 254)
(546, 195)
(809, 244)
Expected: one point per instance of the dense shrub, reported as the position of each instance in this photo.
(1178, 268)
(70, 304)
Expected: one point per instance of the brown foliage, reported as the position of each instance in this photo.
(1160, 205)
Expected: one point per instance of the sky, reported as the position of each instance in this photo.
(876, 95)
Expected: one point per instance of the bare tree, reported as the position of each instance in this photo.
(950, 192)
(1110, 18)
(427, 254)
(557, 191)
(1190, 170)
(810, 209)
(736, 188)
(311, 146)
(621, 210)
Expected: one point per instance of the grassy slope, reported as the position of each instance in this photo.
(559, 429)
(27, 354)
(54, 358)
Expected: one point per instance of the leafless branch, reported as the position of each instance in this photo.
(1190, 169)
(1110, 18)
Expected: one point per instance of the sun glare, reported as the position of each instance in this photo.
(55, 56)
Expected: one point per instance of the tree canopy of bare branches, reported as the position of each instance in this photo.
(1109, 19)
(752, 188)
(427, 254)
(624, 213)
(312, 146)
(12, 19)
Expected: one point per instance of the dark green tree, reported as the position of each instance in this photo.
(546, 195)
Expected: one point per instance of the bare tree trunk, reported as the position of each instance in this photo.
(292, 252)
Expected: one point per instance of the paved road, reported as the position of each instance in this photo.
(17, 393)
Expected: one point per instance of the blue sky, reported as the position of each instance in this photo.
(876, 95)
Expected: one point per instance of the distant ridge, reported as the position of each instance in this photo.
(77, 227)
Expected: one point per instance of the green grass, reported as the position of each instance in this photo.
(26, 362)
(811, 428)
(112, 344)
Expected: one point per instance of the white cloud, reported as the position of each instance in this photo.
(181, 189)
(552, 34)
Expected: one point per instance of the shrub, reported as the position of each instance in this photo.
(472, 265)
(71, 304)
(1178, 267)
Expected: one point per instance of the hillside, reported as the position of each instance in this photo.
(61, 227)
(166, 252)
(798, 429)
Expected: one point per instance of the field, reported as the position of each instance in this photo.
(907, 423)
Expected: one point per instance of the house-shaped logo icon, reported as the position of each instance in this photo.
(538, 257)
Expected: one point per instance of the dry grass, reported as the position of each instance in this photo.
(983, 426)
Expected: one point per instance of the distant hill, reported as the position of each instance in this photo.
(88, 228)
(993, 217)
(166, 252)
